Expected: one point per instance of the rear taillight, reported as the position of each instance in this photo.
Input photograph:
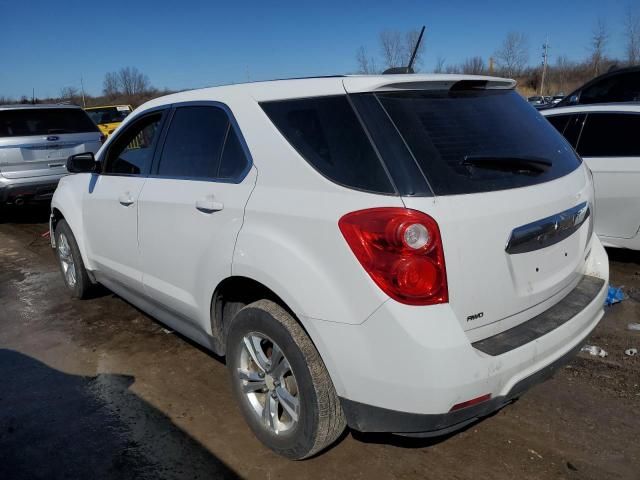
(401, 249)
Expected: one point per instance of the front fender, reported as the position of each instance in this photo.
(68, 200)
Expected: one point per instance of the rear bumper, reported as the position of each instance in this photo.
(28, 189)
(404, 368)
(367, 418)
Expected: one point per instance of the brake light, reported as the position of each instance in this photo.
(401, 250)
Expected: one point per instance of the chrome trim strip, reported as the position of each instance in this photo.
(547, 231)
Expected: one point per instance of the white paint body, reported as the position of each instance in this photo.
(617, 185)
(279, 227)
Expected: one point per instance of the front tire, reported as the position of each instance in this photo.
(74, 274)
(281, 383)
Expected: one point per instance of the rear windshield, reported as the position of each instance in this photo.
(478, 140)
(45, 121)
(454, 142)
(108, 114)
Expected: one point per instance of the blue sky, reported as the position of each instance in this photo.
(190, 44)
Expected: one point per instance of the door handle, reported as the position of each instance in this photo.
(209, 205)
(125, 199)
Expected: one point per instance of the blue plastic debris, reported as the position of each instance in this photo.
(614, 295)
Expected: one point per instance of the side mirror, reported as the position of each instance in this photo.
(82, 163)
(573, 100)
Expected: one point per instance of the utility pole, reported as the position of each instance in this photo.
(84, 104)
(545, 57)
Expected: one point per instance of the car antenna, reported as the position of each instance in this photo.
(408, 68)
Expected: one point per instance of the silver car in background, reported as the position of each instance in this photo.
(35, 142)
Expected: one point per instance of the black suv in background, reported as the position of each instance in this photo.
(622, 85)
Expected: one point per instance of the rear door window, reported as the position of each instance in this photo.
(327, 133)
(471, 141)
(610, 135)
(202, 143)
(194, 143)
(233, 161)
(570, 126)
(559, 122)
(44, 121)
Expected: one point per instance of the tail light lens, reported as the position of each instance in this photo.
(401, 249)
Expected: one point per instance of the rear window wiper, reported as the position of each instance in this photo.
(507, 163)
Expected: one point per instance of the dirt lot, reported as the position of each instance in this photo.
(97, 389)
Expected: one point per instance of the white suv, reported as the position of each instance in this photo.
(605, 136)
(396, 253)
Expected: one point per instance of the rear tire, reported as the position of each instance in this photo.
(74, 274)
(304, 415)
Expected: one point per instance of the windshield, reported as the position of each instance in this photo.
(108, 114)
(445, 129)
(44, 121)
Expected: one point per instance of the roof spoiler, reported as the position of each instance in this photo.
(414, 82)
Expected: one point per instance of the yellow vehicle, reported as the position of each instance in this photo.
(108, 117)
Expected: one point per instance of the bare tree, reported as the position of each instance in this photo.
(632, 34)
(127, 81)
(473, 66)
(110, 85)
(439, 68)
(512, 57)
(599, 39)
(132, 82)
(561, 72)
(366, 64)
(391, 48)
(397, 47)
(69, 94)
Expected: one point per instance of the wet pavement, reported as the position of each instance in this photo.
(97, 389)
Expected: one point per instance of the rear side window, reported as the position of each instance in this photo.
(471, 141)
(610, 135)
(44, 121)
(327, 133)
(201, 143)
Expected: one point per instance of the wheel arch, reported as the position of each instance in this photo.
(245, 290)
(233, 293)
